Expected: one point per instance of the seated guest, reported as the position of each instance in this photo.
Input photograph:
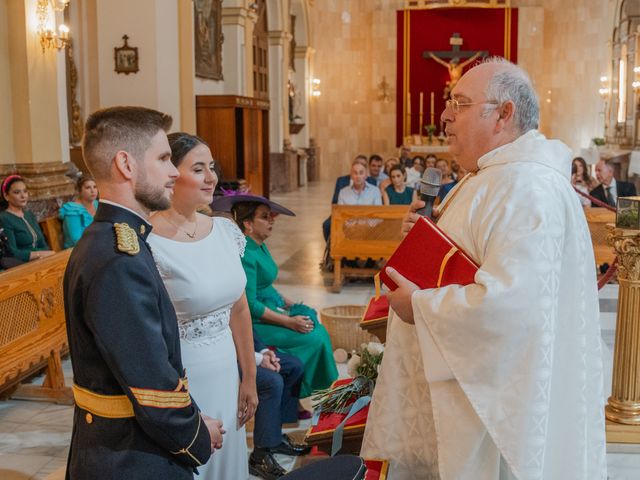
(360, 192)
(581, 180)
(345, 180)
(389, 162)
(341, 182)
(25, 239)
(291, 327)
(430, 161)
(375, 169)
(414, 174)
(447, 182)
(78, 214)
(610, 189)
(278, 379)
(398, 193)
(456, 172)
(405, 157)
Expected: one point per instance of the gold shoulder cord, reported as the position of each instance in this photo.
(186, 450)
(127, 239)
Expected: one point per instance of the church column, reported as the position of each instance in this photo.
(302, 80)
(278, 72)
(234, 50)
(39, 111)
(623, 407)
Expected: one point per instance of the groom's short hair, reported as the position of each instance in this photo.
(115, 129)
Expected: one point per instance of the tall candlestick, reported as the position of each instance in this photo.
(421, 102)
(432, 109)
(409, 103)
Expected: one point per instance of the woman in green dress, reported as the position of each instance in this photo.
(25, 238)
(278, 321)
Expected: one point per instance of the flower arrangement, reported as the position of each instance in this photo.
(363, 366)
(598, 141)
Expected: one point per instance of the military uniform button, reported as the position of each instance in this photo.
(89, 418)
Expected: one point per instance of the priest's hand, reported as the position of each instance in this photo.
(400, 299)
(411, 217)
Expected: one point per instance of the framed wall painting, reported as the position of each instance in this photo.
(208, 38)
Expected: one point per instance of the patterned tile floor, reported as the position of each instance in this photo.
(34, 436)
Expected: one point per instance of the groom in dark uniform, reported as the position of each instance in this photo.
(134, 417)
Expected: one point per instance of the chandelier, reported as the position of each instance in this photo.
(49, 37)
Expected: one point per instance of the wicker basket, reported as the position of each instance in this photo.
(343, 324)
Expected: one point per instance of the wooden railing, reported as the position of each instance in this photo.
(32, 329)
(363, 232)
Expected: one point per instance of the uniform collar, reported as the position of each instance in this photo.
(115, 213)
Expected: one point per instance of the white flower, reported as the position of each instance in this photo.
(375, 348)
(352, 365)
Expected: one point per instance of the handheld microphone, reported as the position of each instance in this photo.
(429, 188)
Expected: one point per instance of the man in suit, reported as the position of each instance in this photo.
(134, 417)
(610, 189)
(278, 379)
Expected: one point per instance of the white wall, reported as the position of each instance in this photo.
(152, 27)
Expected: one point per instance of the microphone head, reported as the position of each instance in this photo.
(430, 182)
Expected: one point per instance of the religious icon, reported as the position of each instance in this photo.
(454, 65)
(126, 58)
(208, 38)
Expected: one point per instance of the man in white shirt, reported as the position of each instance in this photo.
(360, 192)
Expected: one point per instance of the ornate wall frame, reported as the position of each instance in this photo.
(208, 38)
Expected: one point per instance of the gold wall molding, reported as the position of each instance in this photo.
(428, 4)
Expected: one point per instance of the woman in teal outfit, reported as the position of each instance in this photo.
(25, 238)
(78, 214)
(278, 321)
(398, 193)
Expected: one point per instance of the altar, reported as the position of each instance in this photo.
(425, 148)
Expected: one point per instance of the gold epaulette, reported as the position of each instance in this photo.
(126, 239)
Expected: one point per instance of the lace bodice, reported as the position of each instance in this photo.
(204, 279)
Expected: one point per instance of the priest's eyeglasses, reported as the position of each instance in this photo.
(455, 106)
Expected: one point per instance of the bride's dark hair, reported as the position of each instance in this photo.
(181, 144)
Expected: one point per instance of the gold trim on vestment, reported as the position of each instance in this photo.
(107, 406)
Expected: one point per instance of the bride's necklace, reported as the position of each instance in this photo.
(190, 235)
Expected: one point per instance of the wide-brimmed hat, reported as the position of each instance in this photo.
(226, 202)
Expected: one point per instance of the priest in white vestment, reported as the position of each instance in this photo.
(501, 379)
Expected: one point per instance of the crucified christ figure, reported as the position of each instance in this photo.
(455, 70)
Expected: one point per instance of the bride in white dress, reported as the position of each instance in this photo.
(199, 260)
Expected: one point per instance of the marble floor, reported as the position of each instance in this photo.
(34, 436)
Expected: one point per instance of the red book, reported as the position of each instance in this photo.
(377, 309)
(430, 259)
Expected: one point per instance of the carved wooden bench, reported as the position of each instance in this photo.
(597, 219)
(33, 335)
(363, 232)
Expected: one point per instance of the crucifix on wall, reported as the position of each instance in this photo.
(455, 66)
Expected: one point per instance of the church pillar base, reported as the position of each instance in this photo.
(621, 433)
(48, 185)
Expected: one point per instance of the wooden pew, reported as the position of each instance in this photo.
(32, 329)
(52, 229)
(597, 219)
(363, 232)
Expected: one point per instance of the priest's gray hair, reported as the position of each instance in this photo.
(511, 83)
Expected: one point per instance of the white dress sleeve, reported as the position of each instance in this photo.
(234, 231)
